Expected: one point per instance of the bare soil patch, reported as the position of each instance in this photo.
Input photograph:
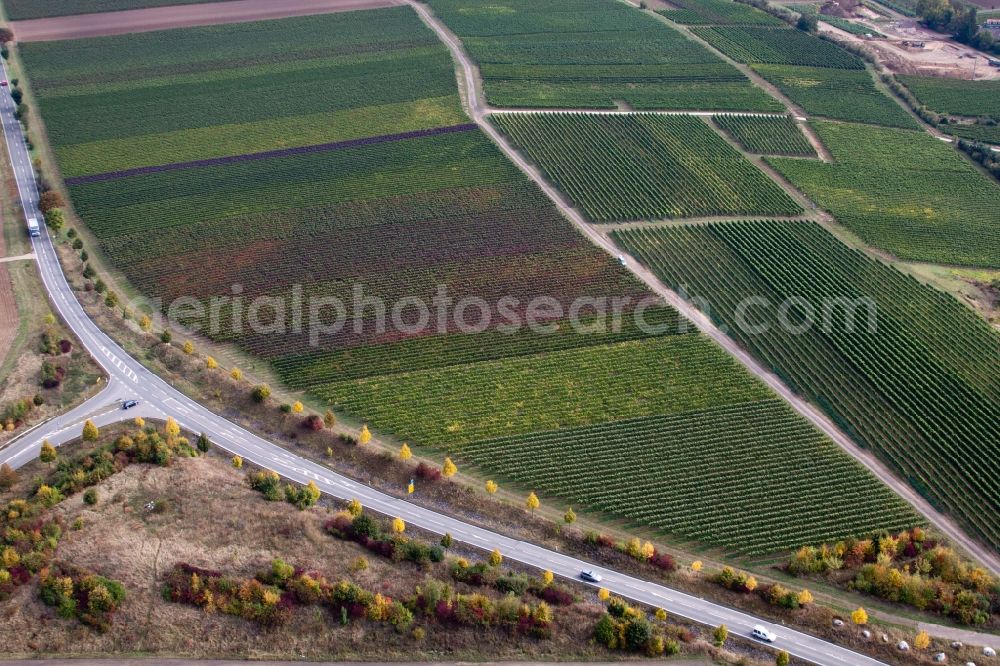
(938, 56)
(180, 16)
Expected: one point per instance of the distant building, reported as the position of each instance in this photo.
(992, 25)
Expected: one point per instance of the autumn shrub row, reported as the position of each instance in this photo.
(27, 543)
(370, 533)
(15, 413)
(268, 599)
(268, 483)
(76, 593)
(623, 627)
(636, 549)
(485, 575)
(774, 594)
(908, 568)
(437, 600)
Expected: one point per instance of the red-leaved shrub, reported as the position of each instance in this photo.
(427, 473)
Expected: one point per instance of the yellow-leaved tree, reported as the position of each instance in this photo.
(236, 374)
(603, 594)
(532, 502)
(859, 616)
(365, 435)
(211, 363)
(188, 347)
(354, 507)
(547, 578)
(297, 407)
(90, 431)
(805, 598)
(570, 516)
(648, 550)
(238, 462)
(48, 453)
(495, 558)
(398, 526)
(145, 323)
(922, 641)
(448, 469)
(491, 486)
(172, 428)
(661, 615)
(404, 452)
(139, 422)
(696, 566)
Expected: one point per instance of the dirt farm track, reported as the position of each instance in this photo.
(181, 16)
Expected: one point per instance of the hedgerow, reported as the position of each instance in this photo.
(909, 568)
(80, 594)
(269, 599)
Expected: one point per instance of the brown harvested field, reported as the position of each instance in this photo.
(180, 16)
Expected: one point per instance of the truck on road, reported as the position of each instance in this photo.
(33, 229)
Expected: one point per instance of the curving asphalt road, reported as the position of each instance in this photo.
(129, 379)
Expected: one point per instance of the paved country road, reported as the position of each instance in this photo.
(130, 379)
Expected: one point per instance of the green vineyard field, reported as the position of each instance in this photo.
(908, 371)
(975, 132)
(632, 167)
(453, 406)
(905, 192)
(114, 103)
(717, 12)
(667, 471)
(777, 46)
(767, 135)
(840, 94)
(592, 54)
(955, 96)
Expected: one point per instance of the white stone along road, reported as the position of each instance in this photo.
(128, 379)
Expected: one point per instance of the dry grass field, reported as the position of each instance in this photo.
(206, 516)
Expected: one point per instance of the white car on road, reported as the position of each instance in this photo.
(591, 576)
(762, 633)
